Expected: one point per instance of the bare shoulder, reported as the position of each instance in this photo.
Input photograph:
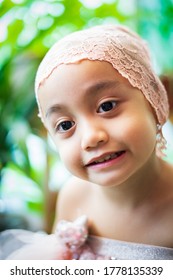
(72, 198)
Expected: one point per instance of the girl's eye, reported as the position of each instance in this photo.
(107, 106)
(64, 126)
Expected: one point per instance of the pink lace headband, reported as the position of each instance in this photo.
(125, 50)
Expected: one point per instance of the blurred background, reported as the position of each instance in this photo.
(31, 173)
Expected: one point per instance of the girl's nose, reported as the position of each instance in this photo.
(93, 136)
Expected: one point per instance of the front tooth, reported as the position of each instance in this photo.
(100, 160)
(107, 157)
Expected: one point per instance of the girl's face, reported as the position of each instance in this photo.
(104, 129)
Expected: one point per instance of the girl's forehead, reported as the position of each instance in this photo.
(86, 74)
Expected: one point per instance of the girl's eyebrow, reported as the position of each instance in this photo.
(92, 89)
(53, 109)
(102, 85)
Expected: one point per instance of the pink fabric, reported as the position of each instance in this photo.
(72, 241)
(125, 50)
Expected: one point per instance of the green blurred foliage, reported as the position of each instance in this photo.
(155, 24)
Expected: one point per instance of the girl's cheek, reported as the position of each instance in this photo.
(66, 153)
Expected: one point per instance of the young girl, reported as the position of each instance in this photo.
(104, 108)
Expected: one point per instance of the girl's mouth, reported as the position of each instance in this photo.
(105, 159)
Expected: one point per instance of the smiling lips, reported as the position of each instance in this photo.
(105, 158)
